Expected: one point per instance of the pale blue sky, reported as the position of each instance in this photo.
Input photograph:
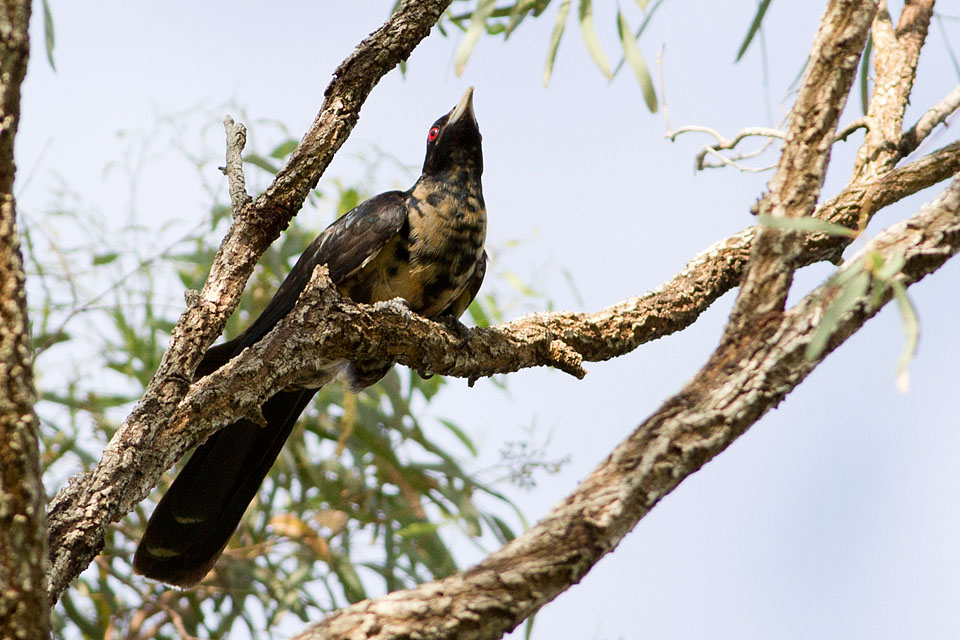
(835, 516)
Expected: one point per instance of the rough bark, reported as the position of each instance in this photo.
(895, 63)
(795, 187)
(24, 611)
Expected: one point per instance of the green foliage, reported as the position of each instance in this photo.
(485, 17)
(808, 225)
(589, 34)
(369, 495)
(864, 72)
(49, 40)
(755, 25)
(873, 274)
(631, 52)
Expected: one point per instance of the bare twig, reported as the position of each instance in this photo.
(937, 114)
(236, 141)
(843, 134)
(733, 161)
(724, 143)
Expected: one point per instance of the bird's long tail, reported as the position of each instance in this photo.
(191, 525)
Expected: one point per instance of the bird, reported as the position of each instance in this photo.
(424, 245)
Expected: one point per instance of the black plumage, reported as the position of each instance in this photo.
(424, 245)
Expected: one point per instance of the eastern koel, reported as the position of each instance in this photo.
(424, 245)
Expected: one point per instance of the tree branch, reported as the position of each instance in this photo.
(81, 511)
(895, 58)
(233, 169)
(24, 611)
(708, 414)
(795, 187)
(326, 327)
(934, 116)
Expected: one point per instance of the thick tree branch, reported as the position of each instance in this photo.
(711, 411)
(81, 511)
(325, 326)
(896, 54)
(795, 187)
(24, 611)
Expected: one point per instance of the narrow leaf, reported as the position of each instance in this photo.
(643, 4)
(48, 35)
(754, 27)
(889, 268)
(846, 299)
(555, 39)
(865, 75)
(284, 149)
(259, 161)
(631, 52)
(590, 38)
(105, 258)
(478, 24)
(461, 436)
(518, 12)
(416, 529)
(911, 327)
(639, 32)
(807, 224)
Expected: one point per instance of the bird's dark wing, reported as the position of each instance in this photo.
(461, 302)
(345, 246)
(200, 511)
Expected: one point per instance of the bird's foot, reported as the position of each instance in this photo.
(397, 305)
(454, 325)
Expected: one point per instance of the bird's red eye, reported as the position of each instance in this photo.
(433, 134)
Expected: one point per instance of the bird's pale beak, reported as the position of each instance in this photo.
(463, 108)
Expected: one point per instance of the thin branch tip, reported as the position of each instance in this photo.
(236, 141)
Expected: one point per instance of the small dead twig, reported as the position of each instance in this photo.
(236, 141)
(723, 143)
(936, 115)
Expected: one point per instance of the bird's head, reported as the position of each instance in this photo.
(453, 142)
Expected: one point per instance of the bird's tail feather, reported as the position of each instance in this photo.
(196, 517)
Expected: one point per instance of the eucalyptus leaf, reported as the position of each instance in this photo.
(911, 329)
(49, 39)
(555, 37)
(478, 25)
(808, 225)
(754, 27)
(631, 52)
(589, 33)
(848, 296)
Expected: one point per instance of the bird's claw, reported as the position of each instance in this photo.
(455, 326)
(397, 305)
